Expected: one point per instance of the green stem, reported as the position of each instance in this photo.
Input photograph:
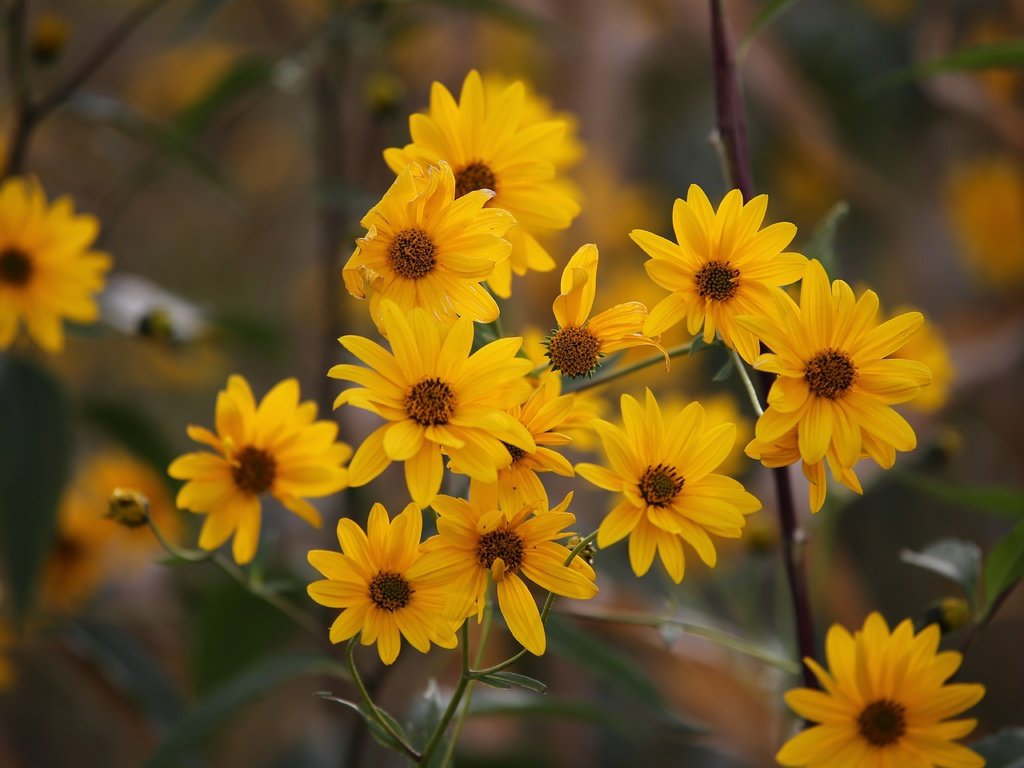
(611, 374)
(371, 707)
(741, 368)
(453, 705)
(460, 721)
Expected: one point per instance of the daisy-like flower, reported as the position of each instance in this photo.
(478, 542)
(885, 703)
(835, 384)
(276, 447)
(423, 248)
(47, 270)
(490, 145)
(670, 493)
(435, 396)
(386, 587)
(543, 415)
(576, 347)
(723, 265)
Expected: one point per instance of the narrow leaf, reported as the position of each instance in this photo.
(506, 680)
(769, 12)
(1001, 55)
(133, 429)
(1004, 749)
(1005, 502)
(957, 560)
(1004, 566)
(822, 245)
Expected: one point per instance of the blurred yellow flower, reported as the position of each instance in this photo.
(276, 447)
(885, 702)
(723, 265)
(50, 33)
(436, 397)
(174, 80)
(46, 268)
(423, 248)
(670, 494)
(478, 541)
(927, 346)
(985, 203)
(386, 587)
(490, 146)
(6, 665)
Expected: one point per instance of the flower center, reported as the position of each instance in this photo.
(430, 402)
(514, 451)
(390, 591)
(412, 254)
(830, 373)
(503, 543)
(660, 484)
(574, 351)
(474, 176)
(254, 472)
(15, 267)
(882, 722)
(717, 280)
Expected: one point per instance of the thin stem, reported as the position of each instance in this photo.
(980, 625)
(18, 80)
(732, 127)
(741, 369)
(460, 721)
(611, 374)
(371, 707)
(453, 704)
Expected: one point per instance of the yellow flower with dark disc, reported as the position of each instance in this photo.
(276, 447)
(47, 270)
(386, 587)
(885, 702)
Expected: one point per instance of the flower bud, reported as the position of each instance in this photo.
(950, 613)
(587, 553)
(50, 34)
(128, 507)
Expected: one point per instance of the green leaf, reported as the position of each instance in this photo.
(1001, 55)
(1004, 566)
(822, 245)
(1004, 749)
(498, 10)
(247, 74)
(133, 429)
(256, 681)
(1005, 502)
(957, 560)
(769, 12)
(380, 735)
(698, 344)
(35, 463)
(724, 372)
(506, 680)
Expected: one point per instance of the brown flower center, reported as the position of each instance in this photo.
(574, 351)
(660, 484)
(514, 451)
(882, 722)
(390, 591)
(830, 373)
(15, 267)
(254, 472)
(430, 402)
(503, 543)
(717, 280)
(476, 175)
(412, 254)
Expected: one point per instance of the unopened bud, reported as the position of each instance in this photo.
(587, 553)
(761, 539)
(128, 507)
(50, 34)
(157, 324)
(383, 92)
(950, 613)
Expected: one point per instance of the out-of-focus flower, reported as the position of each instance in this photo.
(1003, 84)
(7, 677)
(276, 447)
(423, 248)
(478, 542)
(50, 33)
(172, 81)
(490, 146)
(985, 203)
(134, 305)
(891, 11)
(576, 346)
(722, 265)
(664, 471)
(928, 347)
(47, 271)
(436, 397)
(386, 587)
(885, 702)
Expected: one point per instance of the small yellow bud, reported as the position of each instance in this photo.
(950, 613)
(50, 34)
(128, 507)
(761, 538)
(587, 553)
(157, 324)
(383, 92)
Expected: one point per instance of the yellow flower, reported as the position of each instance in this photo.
(478, 541)
(576, 347)
(543, 416)
(928, 347)
(436, 397)
(835, 383)
(385, 585)
(46, 268)
(490, 145)
(885, 702)
(172, 81)
(276, 447)
(423, 248)
(723, 265)
(664, 472)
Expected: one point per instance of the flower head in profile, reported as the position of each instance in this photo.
(722, 265)
(576, 346)
(386, 587)
(885, 702)
(423, 248)
(670, 493)
(276, 447)
(491, 143)
(435, 396)
(47, 270)
(478, 542)
(836, 381)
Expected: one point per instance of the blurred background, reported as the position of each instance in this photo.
(229, 150)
